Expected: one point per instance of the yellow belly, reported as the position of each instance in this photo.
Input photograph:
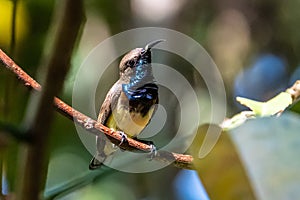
(130, 123)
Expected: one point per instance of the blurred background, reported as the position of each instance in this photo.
(255, 45)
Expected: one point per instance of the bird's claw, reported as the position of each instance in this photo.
(124, 137)
(153, 152)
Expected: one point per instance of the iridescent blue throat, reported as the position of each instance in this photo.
(141, 83)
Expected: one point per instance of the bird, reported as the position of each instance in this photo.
(130, 103)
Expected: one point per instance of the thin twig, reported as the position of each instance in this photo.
(294, 91)
(179, 160)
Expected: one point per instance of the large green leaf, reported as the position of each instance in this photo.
(270, 149)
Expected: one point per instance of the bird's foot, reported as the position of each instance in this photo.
(124, 138)
(153, 151)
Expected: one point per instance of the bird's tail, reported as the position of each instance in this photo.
(104, 149)
(97, 161)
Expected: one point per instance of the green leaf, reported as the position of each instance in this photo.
(255, 106)
(295, 107)
(275, 105)
(269, 149)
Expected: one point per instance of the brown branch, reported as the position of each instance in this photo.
(179, 160)
(294, 91)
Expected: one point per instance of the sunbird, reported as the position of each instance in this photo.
(130, 103)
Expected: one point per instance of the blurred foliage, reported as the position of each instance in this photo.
(275, 105)
(22, 23)
(295, 107)
(221, 171)
(238, 34)
(269, 148)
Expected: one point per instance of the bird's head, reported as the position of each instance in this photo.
(136, 57)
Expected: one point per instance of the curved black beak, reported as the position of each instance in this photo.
(153, 43)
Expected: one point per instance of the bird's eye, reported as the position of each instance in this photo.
(131, 63)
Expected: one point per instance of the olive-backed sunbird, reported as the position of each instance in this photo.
(130, 103)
